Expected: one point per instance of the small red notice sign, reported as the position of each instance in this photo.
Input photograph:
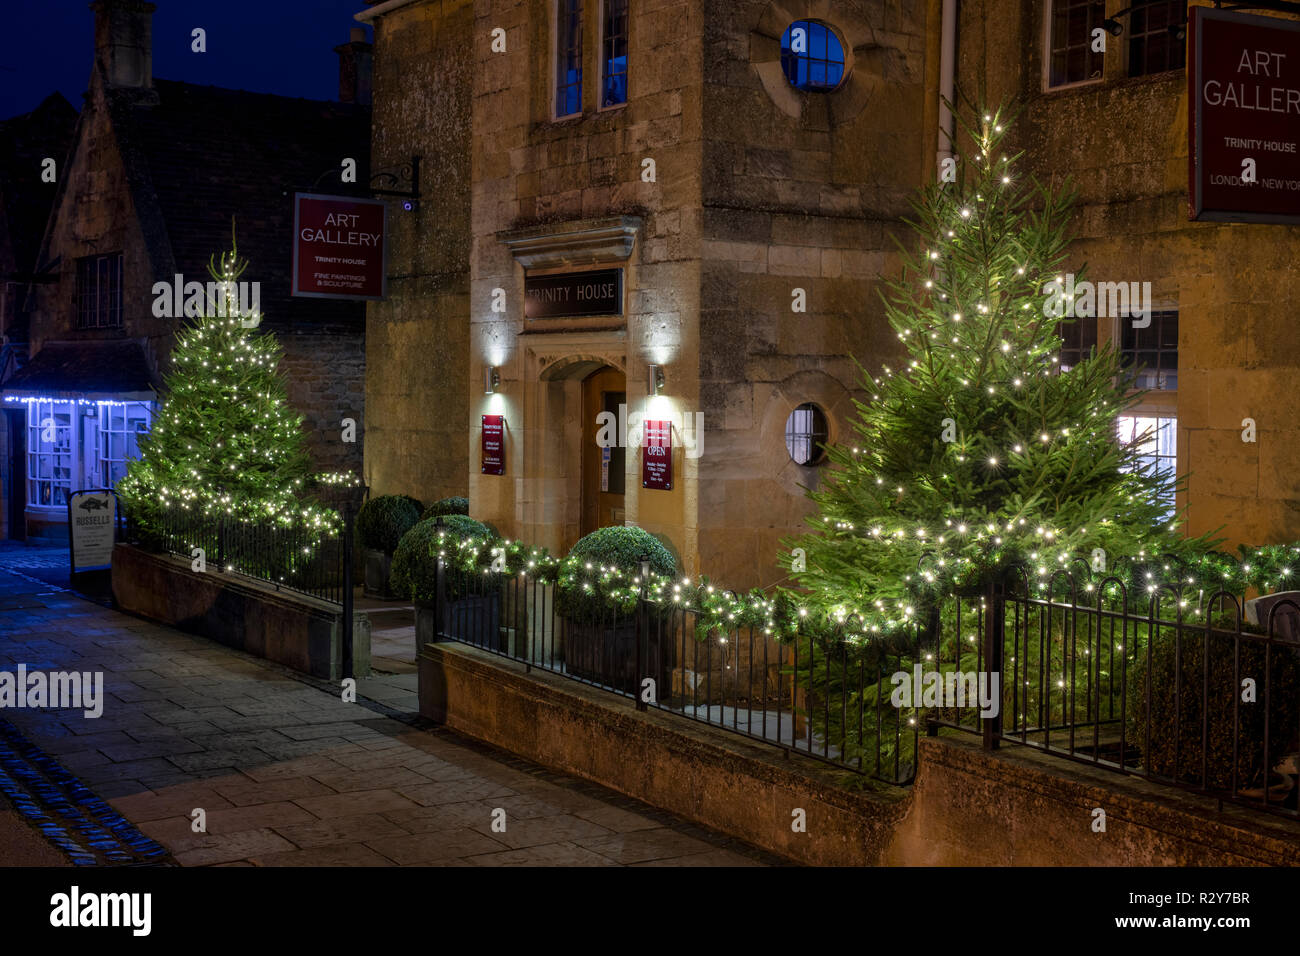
(657, 456)
(1243, 93)
(494, 444)
(338, 247)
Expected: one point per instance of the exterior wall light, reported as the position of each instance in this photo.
(491, 379)
(654, 380)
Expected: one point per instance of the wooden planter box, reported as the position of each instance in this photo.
(472, 620)
(607, 655)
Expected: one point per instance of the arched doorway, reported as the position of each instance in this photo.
(604, 394)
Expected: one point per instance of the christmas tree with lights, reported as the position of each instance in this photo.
(226, 441)
(978, 451)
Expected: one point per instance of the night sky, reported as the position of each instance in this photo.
(269, 46)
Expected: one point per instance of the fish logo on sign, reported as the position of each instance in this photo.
(93, 504)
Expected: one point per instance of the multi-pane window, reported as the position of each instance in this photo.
(1155, 37)
(1152, 351)
(119, 428)
(51, 452)
(812, 56)
(99, 292)
(1156, 438)
(568, 58)
(1070, 54)
(1078, 341)
(614, 52)
(73, 445)
(806, 432)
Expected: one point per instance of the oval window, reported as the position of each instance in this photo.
(806, 432)
(812, 56)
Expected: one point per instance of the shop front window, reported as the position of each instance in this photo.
(73, 445)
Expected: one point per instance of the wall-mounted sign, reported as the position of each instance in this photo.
(338, 247)
(494, 444)
(92, 527)
(574, 294)
(657, 456)
(1243, 95)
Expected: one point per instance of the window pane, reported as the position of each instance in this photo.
(1069, 49)
(568, 58)
(817, 62)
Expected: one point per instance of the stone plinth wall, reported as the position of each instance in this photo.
(966, 807)
(294, 630)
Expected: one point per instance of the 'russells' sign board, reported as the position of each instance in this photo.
(1243, 98)
(338, 247)
(92, 523)
(574, 294)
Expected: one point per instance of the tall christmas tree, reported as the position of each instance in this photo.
(226, 439)
(979, 451)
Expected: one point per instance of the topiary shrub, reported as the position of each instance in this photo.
(618, 551)
(1178, 690)
(382, 521)
(455, 505)
(419, 505)
(414, 572)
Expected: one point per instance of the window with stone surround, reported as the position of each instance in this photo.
(1070, 57)
(806, 432)
(1154, 41)
(1157, 446)
(568, 58)
(99, 292)
(812, 56)
(613, 53)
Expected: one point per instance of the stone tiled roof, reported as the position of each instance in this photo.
(25, 202)
(91, 369)
(197, 155)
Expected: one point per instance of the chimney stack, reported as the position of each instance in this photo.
(124, 42)
(355, 59)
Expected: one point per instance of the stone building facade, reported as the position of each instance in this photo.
(730, 193)
(157, 174)
(751, 222)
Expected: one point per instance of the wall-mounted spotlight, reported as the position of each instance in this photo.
(654, 379)
(1178, 30)
(491, 379)
(1113, 27)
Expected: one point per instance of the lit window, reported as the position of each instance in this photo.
(812, 56)
(51, 453)
(1071, 58)
(1157, 447)
(119, 428)
(71, 446)
(1157, 37)
(568, 58)
(1152, 352)
(805, 434)
(614, 53)
(99, 292)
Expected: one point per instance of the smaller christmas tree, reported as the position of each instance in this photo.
(226, 439)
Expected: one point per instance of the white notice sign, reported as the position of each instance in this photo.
(92, 519)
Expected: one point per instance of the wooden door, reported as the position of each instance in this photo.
(605, 390)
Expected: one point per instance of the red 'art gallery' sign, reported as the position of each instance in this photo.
(657, 456)
(494, 444)
(1243, 98)
(338, 247)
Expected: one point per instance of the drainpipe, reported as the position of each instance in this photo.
(947, 69)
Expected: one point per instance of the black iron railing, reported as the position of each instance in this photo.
(1174, 687)
(305, 560)
(741, 679)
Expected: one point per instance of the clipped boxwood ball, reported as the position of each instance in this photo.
(414, 573)
(382, 521)
(617, 547)
(455, 505)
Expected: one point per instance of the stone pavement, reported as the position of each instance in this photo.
(288, 774)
